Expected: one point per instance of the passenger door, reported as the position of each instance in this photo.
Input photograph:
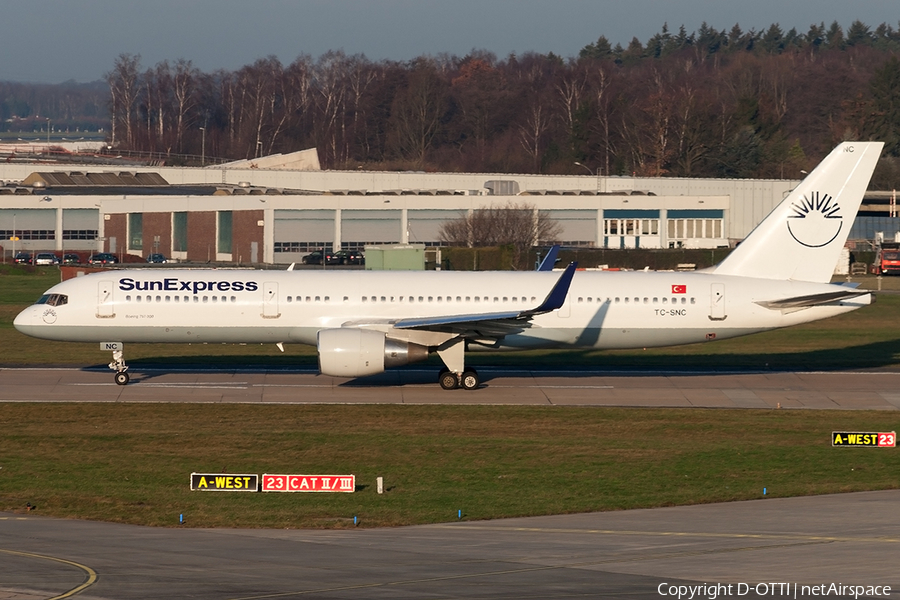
(717, 302)
(270, 300)
(105, 306)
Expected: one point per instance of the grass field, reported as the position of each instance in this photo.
(131, 463)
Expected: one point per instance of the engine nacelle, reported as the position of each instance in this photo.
(351, 352)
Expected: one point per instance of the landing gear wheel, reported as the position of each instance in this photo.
(469, 380)
(448, 380)
(122, 378)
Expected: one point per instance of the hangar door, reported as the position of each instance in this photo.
(298, 232)
(361, 227)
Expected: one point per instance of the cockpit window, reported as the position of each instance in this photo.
(53, 299)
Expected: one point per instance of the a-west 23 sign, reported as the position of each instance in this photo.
(308, 483)
(854, 438)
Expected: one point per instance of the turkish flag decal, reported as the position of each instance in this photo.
(679, 289)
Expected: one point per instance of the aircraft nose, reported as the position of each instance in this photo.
(24, 321)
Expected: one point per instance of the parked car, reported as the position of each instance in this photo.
(350, 257)
(317, 257)
(70, 258)
(46, 258)
(103, 258)
(157, 258)
(22, 258)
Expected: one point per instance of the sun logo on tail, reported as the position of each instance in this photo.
(816, 220)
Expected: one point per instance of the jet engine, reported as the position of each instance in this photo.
(350, 352)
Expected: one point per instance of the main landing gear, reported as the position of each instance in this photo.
(118, 365)
(467, 380)
(455, 375)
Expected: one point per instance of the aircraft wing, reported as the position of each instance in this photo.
(550, 259)
(798, 302)
(497, 324)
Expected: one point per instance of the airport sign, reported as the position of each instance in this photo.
(856, 438)
(224, 482)
(308, 483)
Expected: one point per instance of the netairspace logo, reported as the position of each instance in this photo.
(787, 590)
(174, 284)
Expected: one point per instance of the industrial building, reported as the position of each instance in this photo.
(277, 209)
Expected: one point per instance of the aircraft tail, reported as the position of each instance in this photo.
(802, 238)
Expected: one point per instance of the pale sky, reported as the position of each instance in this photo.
(52, 41)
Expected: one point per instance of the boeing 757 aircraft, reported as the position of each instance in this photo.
(363, 322)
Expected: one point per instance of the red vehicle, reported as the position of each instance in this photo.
(889, 259)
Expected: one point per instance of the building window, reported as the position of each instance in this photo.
(223, 239)
(135, 231)
(179, 232)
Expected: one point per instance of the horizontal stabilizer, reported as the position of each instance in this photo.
(812, 300)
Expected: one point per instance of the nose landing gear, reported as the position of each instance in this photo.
(118, 365)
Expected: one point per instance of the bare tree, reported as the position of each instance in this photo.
(124, 88)
(520, 226)
(417, 112)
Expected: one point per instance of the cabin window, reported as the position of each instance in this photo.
(532, 298)
(580, 299)
(205, 299)
(382, 299)
(177, 298)
(327, 298)
(289, 299)
(215, 298)
(234, 299)
(693, 300)
(149, 298)
(421, 299)
(346, 298)
(617, 300)
(196, 299)
(430, 298)
(468, 298)
(168, 298)
(318, 298)
(655, 300)
(627, 300)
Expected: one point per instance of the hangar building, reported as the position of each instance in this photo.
(276, 209)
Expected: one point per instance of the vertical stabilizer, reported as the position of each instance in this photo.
(802, 237)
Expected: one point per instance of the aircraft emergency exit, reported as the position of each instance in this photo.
(363, 322)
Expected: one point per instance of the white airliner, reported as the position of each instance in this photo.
(363, 322)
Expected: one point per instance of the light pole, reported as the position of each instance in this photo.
(202, 146)
(589, 170)
(48, 134)
(14, 238)
(258, 148)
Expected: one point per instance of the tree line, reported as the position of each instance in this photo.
(708, 103)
